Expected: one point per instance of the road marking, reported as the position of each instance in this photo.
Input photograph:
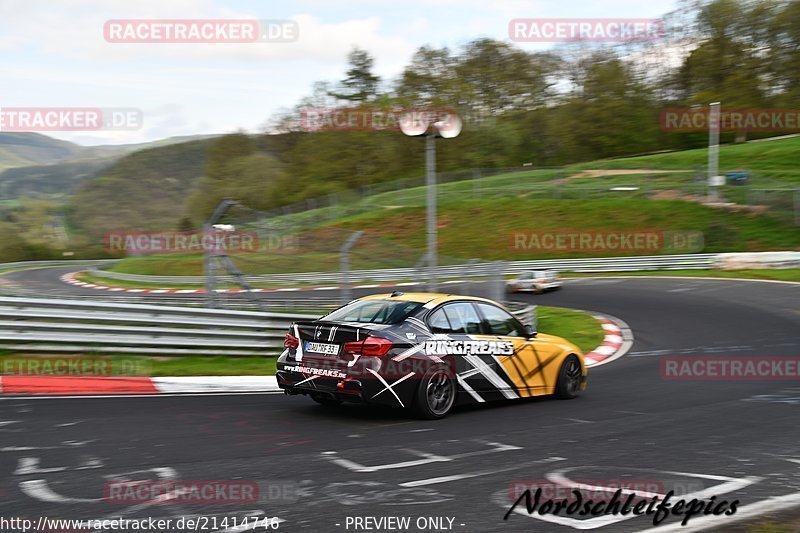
(39, 490)
(30, 465)
(356, 467)
(747, 512)
(559, 477)
(67, 443)
(456, 477)
(426, 458)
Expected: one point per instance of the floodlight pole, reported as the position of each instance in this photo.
(344, 265)
(448, 129)
(430, 182)
(713, 151)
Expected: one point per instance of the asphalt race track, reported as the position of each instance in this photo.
(322, 468)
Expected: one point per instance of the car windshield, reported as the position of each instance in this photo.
(374, 312)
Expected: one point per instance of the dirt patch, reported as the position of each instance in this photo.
(599, 173)
(672, 194)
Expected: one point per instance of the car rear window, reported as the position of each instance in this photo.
(374, 312)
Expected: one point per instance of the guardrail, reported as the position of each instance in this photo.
(47, 325)
(604, 264)
(55, 262)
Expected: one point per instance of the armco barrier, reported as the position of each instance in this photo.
(53, 263)
(740, 261)
(47, 325)
(604, 264)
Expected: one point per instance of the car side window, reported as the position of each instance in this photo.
(438, 322)
(500, 322)
(459, 318)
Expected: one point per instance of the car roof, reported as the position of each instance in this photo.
(425, 297)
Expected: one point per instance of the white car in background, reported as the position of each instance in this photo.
(536, 281)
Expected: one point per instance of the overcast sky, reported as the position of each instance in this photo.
(53, 54)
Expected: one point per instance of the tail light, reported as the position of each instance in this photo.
(291, 342)
(371, 346)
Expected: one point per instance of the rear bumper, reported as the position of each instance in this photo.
(342, 389)
(553, 285)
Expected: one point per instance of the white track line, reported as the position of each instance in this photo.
(748, 512)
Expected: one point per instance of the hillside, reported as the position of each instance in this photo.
(146, 189)
(39, 166)
(23, 149)
(477, 217)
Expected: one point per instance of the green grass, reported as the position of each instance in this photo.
(784, 274)
(482, 229)
(476, 216)
(124, 365)
(775, 159)
(767, 525)
(576, 326)
(214, 366)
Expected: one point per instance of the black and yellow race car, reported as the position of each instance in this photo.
(427, 352)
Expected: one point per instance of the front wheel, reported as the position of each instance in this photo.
(436, 394)
(569, 378)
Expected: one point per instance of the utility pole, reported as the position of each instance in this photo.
(713, 152)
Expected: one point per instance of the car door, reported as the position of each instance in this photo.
(528, 366)
(458, 331)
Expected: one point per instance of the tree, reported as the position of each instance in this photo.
(360, 85)
(430, 80)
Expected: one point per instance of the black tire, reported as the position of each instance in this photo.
(436, 393)
(327, 401)
(568, 385)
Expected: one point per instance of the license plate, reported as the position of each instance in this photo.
(318, 347)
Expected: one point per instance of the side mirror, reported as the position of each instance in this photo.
(530, 331)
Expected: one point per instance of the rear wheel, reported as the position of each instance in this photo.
(569, 378)
(436, 394)
(327, 401)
